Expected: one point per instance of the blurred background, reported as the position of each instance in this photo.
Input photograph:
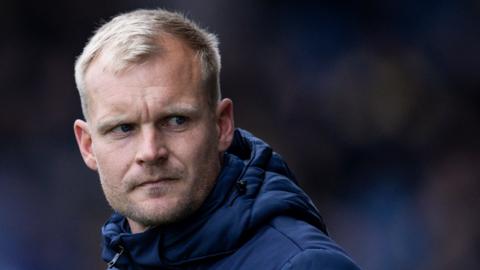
(374, 104)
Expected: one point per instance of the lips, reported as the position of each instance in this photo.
(155, 182)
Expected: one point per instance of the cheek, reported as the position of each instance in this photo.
(195, 151)
(205, 156)
(113, 163)
(202, 145)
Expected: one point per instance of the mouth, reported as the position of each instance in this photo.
(155, 182)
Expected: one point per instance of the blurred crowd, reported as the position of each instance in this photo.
(375, 105)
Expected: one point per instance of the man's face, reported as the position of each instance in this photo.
(152, 137)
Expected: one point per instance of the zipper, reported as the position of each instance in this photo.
(115, 258)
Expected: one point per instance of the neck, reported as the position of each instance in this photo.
(136, 227)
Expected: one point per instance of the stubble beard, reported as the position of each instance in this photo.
(188, 201)
(184, 207)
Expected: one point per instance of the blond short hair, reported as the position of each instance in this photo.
(134, 37)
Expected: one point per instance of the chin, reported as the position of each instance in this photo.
(161, 211)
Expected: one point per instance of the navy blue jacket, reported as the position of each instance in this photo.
(256, 217)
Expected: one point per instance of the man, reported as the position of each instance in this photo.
(188, 189)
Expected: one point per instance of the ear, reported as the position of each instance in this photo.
(84, 141)
(225, 124)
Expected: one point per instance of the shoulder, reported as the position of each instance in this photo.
(287, 243)
(313, 248)
(320, 259)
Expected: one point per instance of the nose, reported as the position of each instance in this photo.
(151, 148)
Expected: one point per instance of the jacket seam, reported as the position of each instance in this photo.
(289, 261)
(301, 249)
(287, 237)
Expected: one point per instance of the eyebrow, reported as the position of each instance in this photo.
(180, 109)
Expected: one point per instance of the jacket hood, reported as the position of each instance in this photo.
(254, 186)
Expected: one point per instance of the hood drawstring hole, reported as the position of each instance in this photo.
(242, 186)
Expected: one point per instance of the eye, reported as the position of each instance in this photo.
(176, 121)
(123, 128)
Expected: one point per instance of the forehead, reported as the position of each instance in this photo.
(176, 68)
